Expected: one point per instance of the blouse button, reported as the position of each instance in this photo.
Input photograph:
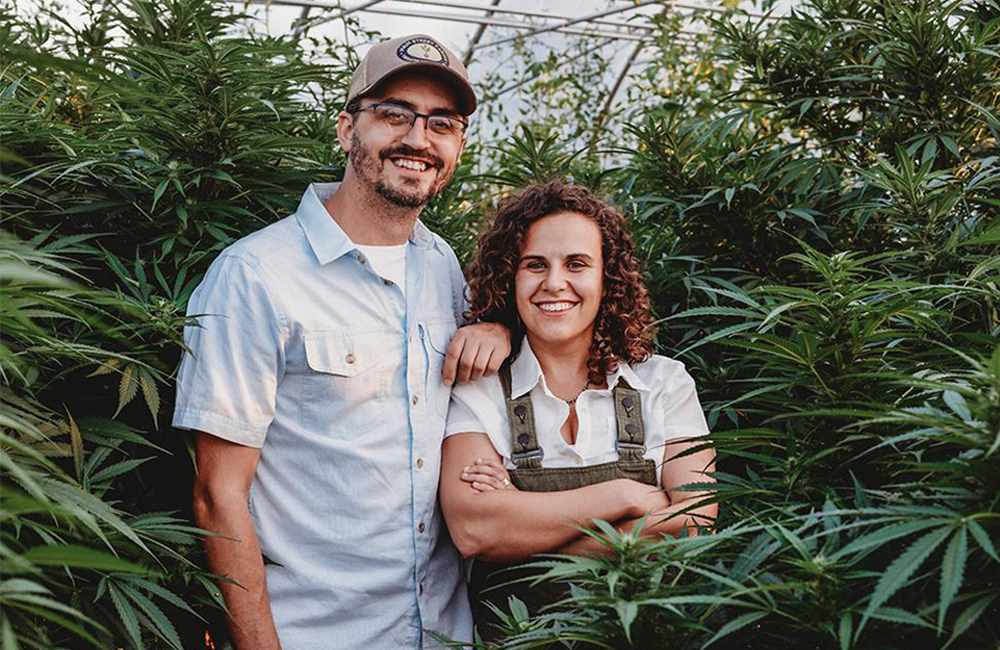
(349, 358)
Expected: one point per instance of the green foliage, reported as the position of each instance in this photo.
(814, 199)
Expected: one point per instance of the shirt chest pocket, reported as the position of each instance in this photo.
(346, 380)
(436, 335)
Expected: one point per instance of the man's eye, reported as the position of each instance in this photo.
(395, 116)
(443, 125)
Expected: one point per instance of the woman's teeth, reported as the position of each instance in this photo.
(556, 306)
(410, 164)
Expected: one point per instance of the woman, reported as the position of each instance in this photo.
(576, 425)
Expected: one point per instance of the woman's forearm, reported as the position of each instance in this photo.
(670, 521)
(507, 525)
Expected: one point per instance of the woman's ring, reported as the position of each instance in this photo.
(505, 482)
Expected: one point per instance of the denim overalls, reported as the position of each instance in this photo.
(491, 582)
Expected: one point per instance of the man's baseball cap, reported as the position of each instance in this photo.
(414, 52)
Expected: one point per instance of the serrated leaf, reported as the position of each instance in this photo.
(952, 571)
(968, 617)
(117, 469)
(627, 611)
(151, 393)
(128, 387)
(983, 539)
(844, 631)
(736, 624)
(76, 443)
(162, 625)
(80, 557)
(957, 404)
(904, 566)
(127, 615)
(106, 368)
(159, 192)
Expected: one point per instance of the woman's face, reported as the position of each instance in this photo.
(560, 279)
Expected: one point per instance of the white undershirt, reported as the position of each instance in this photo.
(388, 261)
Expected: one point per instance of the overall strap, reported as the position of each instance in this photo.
(525, 450)
(631, 443)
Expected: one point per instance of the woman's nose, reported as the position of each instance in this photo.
(554, 280)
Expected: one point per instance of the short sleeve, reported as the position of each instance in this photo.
(479, 407)
(228, 379)
(682, 412)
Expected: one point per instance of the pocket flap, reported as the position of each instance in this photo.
(341, 353)
(439, 334)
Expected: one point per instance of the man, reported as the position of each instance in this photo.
(315, 384)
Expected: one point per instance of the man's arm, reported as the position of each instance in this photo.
(511, 525)
(221, 494)
(474, 351)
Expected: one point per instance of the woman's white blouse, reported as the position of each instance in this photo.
(670, 409)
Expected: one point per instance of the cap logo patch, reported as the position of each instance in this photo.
(422, 49)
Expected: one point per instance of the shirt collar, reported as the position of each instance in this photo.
(327, 239)
(525, 373)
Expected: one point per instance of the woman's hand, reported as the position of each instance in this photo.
(643, 499)
(486, 475)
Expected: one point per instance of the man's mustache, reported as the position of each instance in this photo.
(410, 152)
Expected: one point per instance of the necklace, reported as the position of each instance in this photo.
(571, 402)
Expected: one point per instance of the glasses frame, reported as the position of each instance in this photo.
(426, 116)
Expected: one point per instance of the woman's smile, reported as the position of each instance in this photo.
(560, 279)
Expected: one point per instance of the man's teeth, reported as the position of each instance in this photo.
(415, 165)
(556, 306)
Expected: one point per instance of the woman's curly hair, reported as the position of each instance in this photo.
(623, 328)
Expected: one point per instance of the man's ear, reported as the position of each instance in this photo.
(345, 128)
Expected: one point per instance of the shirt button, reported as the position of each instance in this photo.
(387, 283)
(414, 400)
(420, 463)
(421, 528)
(349, 358)
(420, 589)
(361, 258)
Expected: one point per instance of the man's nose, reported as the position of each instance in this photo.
(416, 137)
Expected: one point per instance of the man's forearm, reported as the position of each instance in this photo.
(236, 555)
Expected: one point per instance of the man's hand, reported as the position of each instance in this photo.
(475, 351)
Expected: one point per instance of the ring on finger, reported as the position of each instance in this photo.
(505, 482)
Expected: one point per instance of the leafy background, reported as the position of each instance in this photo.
(815, 200)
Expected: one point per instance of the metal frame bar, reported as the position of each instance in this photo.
(497, 22)
(574, 21)
(467, 57)
(518, 12)
(460, 18)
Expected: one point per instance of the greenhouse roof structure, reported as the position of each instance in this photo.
(478, 29)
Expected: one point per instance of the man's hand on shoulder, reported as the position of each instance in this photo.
(476, 350)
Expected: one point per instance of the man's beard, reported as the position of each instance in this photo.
(369, 170)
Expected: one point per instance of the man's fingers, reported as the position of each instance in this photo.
(450, 368)
(482, 361)
(467, 362)
(496, 360)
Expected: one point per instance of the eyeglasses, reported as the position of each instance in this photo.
(401, 119)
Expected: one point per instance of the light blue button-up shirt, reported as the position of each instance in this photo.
(305, 352)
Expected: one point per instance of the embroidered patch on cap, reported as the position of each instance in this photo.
(422, 49)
